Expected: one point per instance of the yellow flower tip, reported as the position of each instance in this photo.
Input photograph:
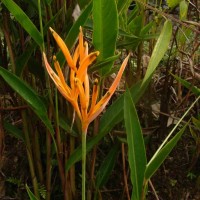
(96, 81)
(80, 28)
(54, 58)
(44, 55)
(52, 31)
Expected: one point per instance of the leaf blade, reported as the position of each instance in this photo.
(29, 95)
(155, 163)
(24, 20)
(136, 149)
(105, 19)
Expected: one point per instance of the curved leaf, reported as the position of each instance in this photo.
(158, 52)
(29, 95)
(30, 194)
(24, 20)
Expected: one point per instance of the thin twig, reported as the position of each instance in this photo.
(154, 191)
(124, 172)
(14, 108)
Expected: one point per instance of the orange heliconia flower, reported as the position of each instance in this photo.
(78, 90)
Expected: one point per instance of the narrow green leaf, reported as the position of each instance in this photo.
(158, 52)
(105, 29)
(30, 194)
(107, 166)
(136, 149)
(103, 64)
(135, 25)
(29, 95)
(147, 28)
(188, 85)
(122, 5)
(74, 31)
(24, 20)
(155, 163)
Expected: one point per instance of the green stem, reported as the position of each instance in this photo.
(41, 26)
(83, 163)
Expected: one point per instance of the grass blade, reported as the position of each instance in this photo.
(154, 164)
(30, 194)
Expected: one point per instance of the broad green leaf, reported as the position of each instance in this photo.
(173, 3)
(183, 10)
(105, 29)
(74, 31)
(30, 194)
(155, 163)
(29, 95)
(158, 52)
(136, 149)
(114, 113)
(23, 19)
(107, 166)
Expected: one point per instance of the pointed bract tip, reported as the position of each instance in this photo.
(96, 81)
(51, 30)
(54, 58)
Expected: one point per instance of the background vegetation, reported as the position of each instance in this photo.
(129, 145)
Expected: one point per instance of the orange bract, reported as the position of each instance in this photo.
(77, 93)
